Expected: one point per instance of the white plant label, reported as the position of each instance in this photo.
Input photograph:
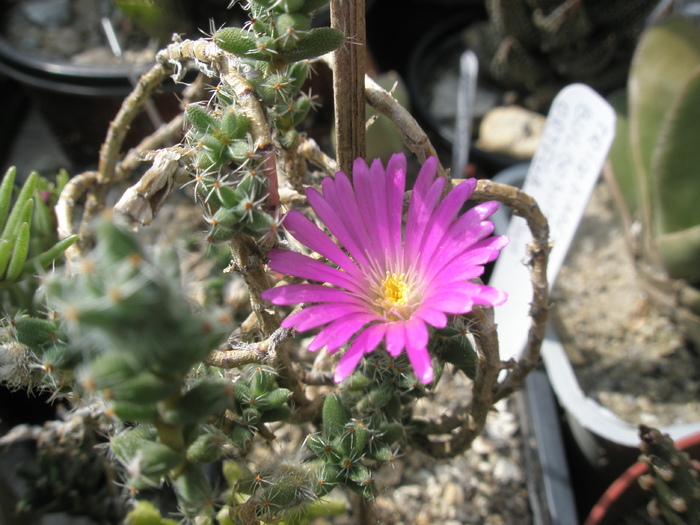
(577, 136)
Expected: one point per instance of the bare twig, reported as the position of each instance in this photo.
(413, 135)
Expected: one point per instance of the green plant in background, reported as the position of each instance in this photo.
(672, 478)
(28, 242)
(536, 47)
(654, 162)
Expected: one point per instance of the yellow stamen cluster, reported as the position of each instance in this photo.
(393, 297)
(395, 289)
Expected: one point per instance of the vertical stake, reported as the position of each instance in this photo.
(349, 82)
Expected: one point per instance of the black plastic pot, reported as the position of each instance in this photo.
(78, 101)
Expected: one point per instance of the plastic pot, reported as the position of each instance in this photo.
(78, 101)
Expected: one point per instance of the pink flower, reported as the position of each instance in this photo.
(392, 279)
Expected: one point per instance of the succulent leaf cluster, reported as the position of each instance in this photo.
(363, 423)
(273, 52)
(536, 47)
(654, 157)
(672, 478)
(130, 336)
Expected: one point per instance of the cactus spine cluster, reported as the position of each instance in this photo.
(536, 47)
(672, 477)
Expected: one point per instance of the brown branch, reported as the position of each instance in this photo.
(486, 390)
(413, 135)
(538, 255)
(348, 82)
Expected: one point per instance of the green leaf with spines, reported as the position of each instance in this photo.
(234, 124)
(335, 416)
(297, 73)
(156, 459)
(272, 415)
(144, 388)
(208, 447)
(312, 5)
(286, 6)
(273, 399)
(246, 44)
(35, 333)
(110, 369)
(135, 412)
(192, 488)
(239, 151)
(201, 119)
(317, 42)
(124, 446)
(235, 40)
(207, 397)
(5, 252)
(287, 23)
(391, 432)
(242, 437)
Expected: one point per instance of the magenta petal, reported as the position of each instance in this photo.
(453, 303)
(348, 362)
(395, 338)
(363, 344)
(299, 265)
(335, 223)
(490, 296)
(395, 188)
(417, 349)
(309, 293)
(420, 361)
(378, 198)
(419, 211)
(433, 317)
(318, 315)
(443, 216)
(363, 193)
(337, 333)
(307, 233)
(344, 199)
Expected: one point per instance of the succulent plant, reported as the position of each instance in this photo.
(179, 388)
(536, 47)
(672, 477)
(654, 161)
(230, 171)
(28, 240)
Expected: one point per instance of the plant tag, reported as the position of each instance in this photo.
(577, 136)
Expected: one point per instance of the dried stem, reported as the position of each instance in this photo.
(538, 255)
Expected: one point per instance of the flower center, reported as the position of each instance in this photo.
(395, 289)
(394, 297)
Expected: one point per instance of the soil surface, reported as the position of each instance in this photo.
(627, 357)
